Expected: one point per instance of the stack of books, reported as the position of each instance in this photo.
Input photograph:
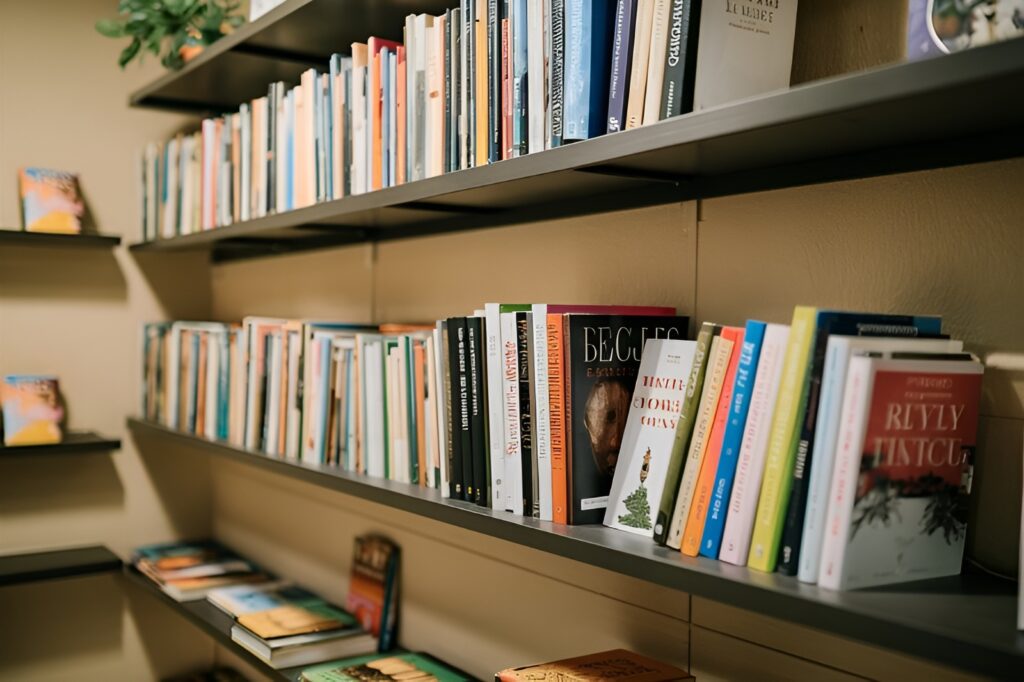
(486, 81)
(838, 448)
(187, 571)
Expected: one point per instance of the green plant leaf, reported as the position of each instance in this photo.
(109, 28)
(128, 53)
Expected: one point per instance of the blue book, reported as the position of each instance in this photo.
(746, 370)
(588, 42)
(385, 120)
(224, 385)
(289, 164)
(323, 377)
(193, 385)
(622, 60)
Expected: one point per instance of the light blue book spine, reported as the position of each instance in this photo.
(323, 379)
(746, 370)
(385, 123)
(826, 428)
(576, 79)
(224, 385)
(193, 384)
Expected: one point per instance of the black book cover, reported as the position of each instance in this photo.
(680, 58)
(478, 410)
(828, 323)
(459, 400)
(602, 358)
(534, 417)
(493, 82)
(525, 431)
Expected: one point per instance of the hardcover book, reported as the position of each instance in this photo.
(50, 201)
(588, 37)
(622, 58)
(602, 355)
(373, 588)
(399, 666)
(32, 411)
(650, 430)
(898, 500)
(680, 58)
(619, 665)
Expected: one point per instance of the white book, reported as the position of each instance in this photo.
(746, 486)
(170, 221)
(535, 21)
(358, 170)
(541, 409)
(495, 411)
(718, 363)
(373, 407)
(272, 424)
(826, 429)
(280, 145)
(293, 412)
(511, 418)
(649, 434)
(401, 413)
(442, 410)
(209, 168)
(245, 158)
(185, 185)
(740, 57)
(432, 87)
(656, 60)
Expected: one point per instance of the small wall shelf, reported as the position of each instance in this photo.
(76, 442)
(17, 569)
(967, 621)
(13, 237)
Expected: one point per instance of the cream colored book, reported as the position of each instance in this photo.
(656, 61)
(638, 69)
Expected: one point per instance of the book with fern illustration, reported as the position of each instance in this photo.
(903, 467)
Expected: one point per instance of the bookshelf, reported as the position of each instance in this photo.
(13, 237)
(74, 443)
(17, 569)
(967, 621)
(852, 126)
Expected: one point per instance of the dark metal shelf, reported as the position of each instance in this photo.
(213, 622)
(17, 569)
(12, 237)
(280, 45)
(967, 622)
(76, 442)
(958, 109)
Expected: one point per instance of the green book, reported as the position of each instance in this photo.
(684, 428)
(394, 666)
(782, 442)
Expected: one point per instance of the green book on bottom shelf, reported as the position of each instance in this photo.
(393, 666)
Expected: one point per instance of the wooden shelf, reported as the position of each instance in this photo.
(967, 621)
(17, 569)
(278, 46)
(13, 237)
(958, 109)
(213, 622)
(76, 442)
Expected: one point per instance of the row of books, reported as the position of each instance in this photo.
(485, 81)
(514, 407)
(838, 448)
(280, 623)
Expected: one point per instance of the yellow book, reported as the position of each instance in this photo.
(481, 83)
(782, 443)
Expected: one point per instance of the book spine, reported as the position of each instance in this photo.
(536, 76)
(475, 351)
(445, 415)
(680, 58)
(778, 468)
(656, 61)
(577, 75)
(721, 351)
(525, 430)
(455, 38)
(506, 79)
(680, 444)
(746, 370)
(495, 420)
(520, 26)
(510, 402)
(448, 83)
(541, 408)
(469, 40)
(556, 78)
(480, 51)
(556, 416)
(622, 53)
(494, 81)
(458, 400)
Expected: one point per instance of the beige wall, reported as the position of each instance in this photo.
(945, 242)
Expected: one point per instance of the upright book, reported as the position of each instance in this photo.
(50, 201)
(588, 36)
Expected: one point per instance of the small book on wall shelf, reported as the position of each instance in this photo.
(50, 201)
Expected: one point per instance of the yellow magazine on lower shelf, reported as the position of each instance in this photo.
(778, 467)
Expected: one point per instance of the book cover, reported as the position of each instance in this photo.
(236, 600)
(588, 39)
(397, 666)
(684, 429)
(680, 58)
(619, 664)
(898, 500)
(478, 411)
(300, 617)
(494, 81)
(556, 418)
(745, 49)
(641, 48)
(938, 28)
(837, 359)
(537, 21)
(480, 91)
(556, 74)
(512, 424)
(830, 322)
(461, 472)
(650, 430)
(525, 413)
(746, 370)
(622, 58)
(602, 357)
(373, 587)
(719, 358)
(50, 201)
(32, 410)
(662, 14)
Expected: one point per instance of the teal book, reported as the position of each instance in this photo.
(395, 666)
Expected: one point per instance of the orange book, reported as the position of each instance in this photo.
(376, 99)
(418, 354)
(556, 415)
(694, 529)
(201, 386)
(400, 105)
(481, 83)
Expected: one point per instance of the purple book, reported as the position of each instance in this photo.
(622, 57)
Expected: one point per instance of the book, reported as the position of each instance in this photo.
(641, 49)
(618, 664)
(237, 600)
(394, 666)
(837, 359)
(477, 404)
(720, 356)
(536, 82)
(556, 75)
(649, 433)
(680, 58)
(304, 632)
(189, 570)
(746, 371)
(373, 588)
(461, 461)
(898, 501)
(588, 37)
(531, 506)
(50, 201)
(745, 49)
(661, 16)
(622, 57)
(938, 28)
(602, 357)
(684, 429)
(32, 410)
